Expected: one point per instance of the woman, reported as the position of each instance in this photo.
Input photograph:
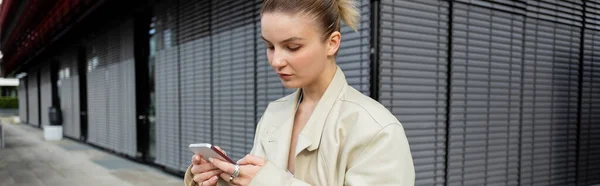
(326, 133)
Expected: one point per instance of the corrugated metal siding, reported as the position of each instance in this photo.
(550, 102)
(233, 73)
(195, 76)
(485, 96)
(589, 144)
(46, 93)
(168, 144)
(413, 79)
(32, 97)
(23, 100)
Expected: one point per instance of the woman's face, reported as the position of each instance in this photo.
(295, 48)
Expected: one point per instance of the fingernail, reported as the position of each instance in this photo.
(214, 178)
(198, 158)
(210, 159)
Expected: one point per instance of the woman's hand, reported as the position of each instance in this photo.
(205, 174)
(248, 167)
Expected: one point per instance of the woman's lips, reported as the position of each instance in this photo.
(285, 76)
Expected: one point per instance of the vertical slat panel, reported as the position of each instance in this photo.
(233, 75)
(195, 76)
(413, 52)
(485, 96)
(167, 88)
(549, 103)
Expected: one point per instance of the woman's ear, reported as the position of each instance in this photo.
(333, 43)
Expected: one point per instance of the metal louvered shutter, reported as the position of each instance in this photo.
(32, 97)
(126, 93)
(413, 52)
(589, 144)
(354, 52)
(45, 93)
(195, 77)
(69, 94)
(23, 100)
(167, 89)
(268, 84)
(114, 109)
(233, 36)
(550, 87)
(65, 91)
(485, 96)
(97, 81)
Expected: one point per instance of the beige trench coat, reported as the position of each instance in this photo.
(350, 139)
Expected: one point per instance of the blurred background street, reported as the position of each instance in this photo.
(28, 160)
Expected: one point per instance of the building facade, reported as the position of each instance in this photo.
(489, 92)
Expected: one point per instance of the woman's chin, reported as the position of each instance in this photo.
(291, 84)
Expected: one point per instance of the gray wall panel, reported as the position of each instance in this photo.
(413, 45)
(485, 96)
(23, 100)
(549, 103)
(589, 145)
(233, 76)
(168, 141)
(46, 93)
(195, 76)
(32, 96)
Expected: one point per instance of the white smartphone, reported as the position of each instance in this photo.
(206, 150)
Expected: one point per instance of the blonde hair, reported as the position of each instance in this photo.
(328, 13)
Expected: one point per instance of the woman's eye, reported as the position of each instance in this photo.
(270, 47)
(293, 48)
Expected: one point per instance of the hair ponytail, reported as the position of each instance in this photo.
(348, 13)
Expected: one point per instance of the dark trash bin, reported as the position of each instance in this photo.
(55, 116)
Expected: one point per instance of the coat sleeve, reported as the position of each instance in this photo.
(271, 175)
(385, 160)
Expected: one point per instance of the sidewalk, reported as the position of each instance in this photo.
(29, 160)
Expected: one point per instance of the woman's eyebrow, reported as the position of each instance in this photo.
(284, 41)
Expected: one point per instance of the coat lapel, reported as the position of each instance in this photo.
(276, 142)
(310, 137)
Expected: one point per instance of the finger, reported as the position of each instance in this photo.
(252, 160)
(219, 148)
(199, 169)
(212, 181)
(196, 160)
(225, 177)
(223, 165)
(207, 175)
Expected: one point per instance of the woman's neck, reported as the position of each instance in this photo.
(313, 92)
